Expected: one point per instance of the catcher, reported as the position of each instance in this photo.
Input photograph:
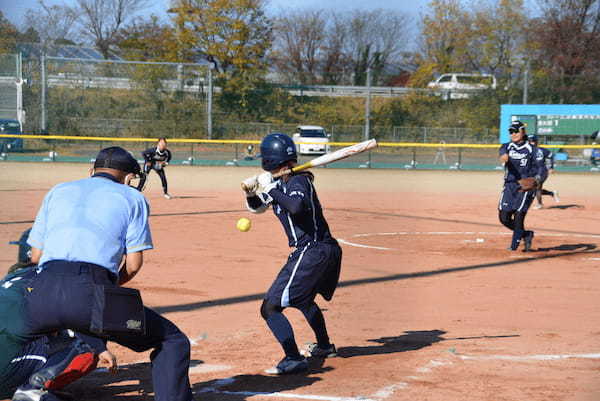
(522, 175)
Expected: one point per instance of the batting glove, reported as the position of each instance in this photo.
(266, 184)
(250, 186)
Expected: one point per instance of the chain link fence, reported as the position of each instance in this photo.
(113, 98)
(9, 76)
(81, 97)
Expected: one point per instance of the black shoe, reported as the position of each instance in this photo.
(288, 366)
(528, 241)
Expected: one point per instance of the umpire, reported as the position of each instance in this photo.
(82, 233)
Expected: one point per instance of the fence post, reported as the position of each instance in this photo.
(43, 94)
(209, 102)
(414, 158)
(192, 154)
(368, 106)
(459, 164)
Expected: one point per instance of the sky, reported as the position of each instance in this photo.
(14, 10)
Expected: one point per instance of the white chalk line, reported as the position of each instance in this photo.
(343, 241)
(527, 358)
(537, 234)
(477, 240)
(215, 388)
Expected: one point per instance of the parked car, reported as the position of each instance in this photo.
(8, 127)
(460, 84)
(311, 140)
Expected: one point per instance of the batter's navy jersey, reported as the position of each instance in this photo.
(302, 218)
(522, 161)
(154, 155)
(314, 266)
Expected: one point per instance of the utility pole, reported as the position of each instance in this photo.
(209, 101)
(526, 82)
(368, 106)
(43, 94)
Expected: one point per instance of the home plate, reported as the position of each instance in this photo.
(206, 368)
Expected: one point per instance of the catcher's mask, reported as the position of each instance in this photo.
(118, 158)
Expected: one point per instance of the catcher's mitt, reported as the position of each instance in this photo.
(528, 184)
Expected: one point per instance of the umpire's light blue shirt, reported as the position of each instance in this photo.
(94, 220)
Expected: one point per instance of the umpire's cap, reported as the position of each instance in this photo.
(276, 149)
(117, 158)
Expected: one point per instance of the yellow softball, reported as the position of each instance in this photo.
(243, 224)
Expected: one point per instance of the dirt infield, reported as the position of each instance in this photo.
(431, 306)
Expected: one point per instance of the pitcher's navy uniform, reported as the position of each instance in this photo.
(513, 205)
(314, 265)
(522, 162)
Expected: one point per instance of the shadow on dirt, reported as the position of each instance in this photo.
(409, 341)
(563, 207)
(565, 251)
(568, 248)
(133, 382)
(242, 387)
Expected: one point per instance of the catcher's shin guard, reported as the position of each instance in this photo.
(65, 367)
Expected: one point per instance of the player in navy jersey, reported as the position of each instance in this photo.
(157, 159)
(546, 158)
(314, 265)
(520, 161)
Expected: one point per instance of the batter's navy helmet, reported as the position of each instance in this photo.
(533, 138)
(277, 149)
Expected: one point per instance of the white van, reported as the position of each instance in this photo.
(311, 140)
(455, 82)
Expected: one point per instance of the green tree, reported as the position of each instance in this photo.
(236, 33)
(8, 35)
(148, 40)
(444, 36)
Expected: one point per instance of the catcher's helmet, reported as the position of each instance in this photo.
(24, 248)
(277, 149)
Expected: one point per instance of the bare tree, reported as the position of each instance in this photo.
(336, 65)
(313, 46)
(100, 20)
(299, 43)
(52, 23)
(375, 39)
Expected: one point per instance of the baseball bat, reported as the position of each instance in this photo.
(327, 158)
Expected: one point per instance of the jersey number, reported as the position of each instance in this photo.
(523, 162)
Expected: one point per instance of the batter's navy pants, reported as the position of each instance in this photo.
(61, 297)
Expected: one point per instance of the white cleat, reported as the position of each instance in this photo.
(167, 196)
(538, 206)
(555, 196)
